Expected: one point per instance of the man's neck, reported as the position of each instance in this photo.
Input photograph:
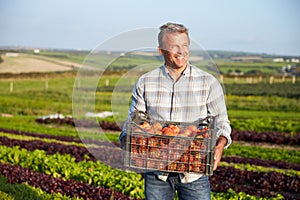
(175, 73)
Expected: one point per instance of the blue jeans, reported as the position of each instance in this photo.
(156, 189)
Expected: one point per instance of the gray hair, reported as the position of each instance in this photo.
(171, 28)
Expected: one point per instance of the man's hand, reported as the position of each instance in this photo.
(222, 141)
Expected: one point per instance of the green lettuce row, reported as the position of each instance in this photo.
(247, 167)
(5, 196)
(275, 154)
(93, 173)
(28, 124)
(268, 124)
(237, 149)
(64, 166)
(232, 195)
(256, 168)
(28, 138)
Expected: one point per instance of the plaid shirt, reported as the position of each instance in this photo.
(195, 95)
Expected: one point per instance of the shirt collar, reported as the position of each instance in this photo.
(185, 73)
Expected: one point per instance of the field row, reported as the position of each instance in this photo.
(13, 155)
(49, 184)
(112, 156)
(284, 153)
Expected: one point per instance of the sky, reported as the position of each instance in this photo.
(259, 26)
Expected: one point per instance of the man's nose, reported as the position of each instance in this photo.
(180, 50)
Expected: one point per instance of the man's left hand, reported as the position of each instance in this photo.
(222, 141)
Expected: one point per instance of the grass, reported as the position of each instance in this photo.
(266, 66)
(28, 124)
(30, 98)
(263, 104)
(33, 96)
(262, 114)
(69, 56)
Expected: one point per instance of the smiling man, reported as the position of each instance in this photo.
(174, 46)
(178, 91)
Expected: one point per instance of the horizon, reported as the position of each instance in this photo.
(20, 48)
(254, 26)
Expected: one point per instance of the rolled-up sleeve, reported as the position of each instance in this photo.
(216, 107)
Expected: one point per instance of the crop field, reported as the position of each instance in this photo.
(48, 159)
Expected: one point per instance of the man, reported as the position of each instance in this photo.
(178, 91)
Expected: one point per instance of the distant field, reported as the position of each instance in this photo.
(26, 63)
(36, 95)
(53, 61)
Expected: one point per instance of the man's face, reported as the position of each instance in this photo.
(175, 50)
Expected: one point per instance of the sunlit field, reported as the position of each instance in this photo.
(49, 160)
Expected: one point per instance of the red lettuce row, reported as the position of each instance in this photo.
(237, 135)
(264, 184)
(49, 184)
(267, 137)
(111, 156)
(106, 125)
(260, 162)
(56, 137)
(40, 135)
(256, 183)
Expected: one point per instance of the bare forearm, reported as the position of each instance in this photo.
(222, 141)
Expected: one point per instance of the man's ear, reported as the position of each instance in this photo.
(160, 51)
